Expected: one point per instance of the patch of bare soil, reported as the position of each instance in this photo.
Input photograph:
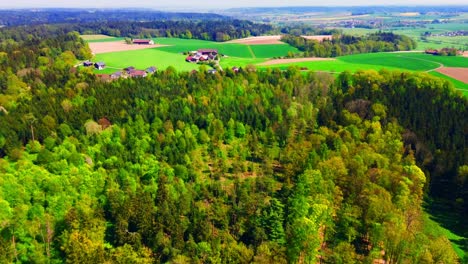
(262, 40)
(104, 47)
(283, 61)
(460, 74)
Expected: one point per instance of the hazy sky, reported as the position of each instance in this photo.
(210, 4)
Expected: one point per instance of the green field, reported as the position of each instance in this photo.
(436, 42)
(241, 55)
(144, 58)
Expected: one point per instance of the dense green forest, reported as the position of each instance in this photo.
(247, 167)
(346, 44)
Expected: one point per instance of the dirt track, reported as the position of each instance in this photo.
(283, 61)
(262, 40)
(104, 47)
(460, 74)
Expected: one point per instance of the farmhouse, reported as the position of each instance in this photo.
(208, 52)
(87, 63)
(129, 69)
(202, 55)
(151, 69)
(116, 75)
(143, 41)
(100, 65)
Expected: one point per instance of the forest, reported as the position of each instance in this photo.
(21, 17)
(234, 167)
(347, 44)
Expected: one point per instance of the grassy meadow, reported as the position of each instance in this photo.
(144, 58)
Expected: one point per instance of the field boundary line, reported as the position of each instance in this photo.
(440, 64)
(251, 52)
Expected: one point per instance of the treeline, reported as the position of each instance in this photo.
(346, 44)
(247, 167)
(18, 17)
(216, 30)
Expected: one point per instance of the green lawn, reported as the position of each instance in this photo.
(141, 59)
(271, 51)
(435, 229)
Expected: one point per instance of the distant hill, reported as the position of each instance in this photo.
(354, 9)
(17, 17)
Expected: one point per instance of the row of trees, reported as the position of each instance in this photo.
(344, 44)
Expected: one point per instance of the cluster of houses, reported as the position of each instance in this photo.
(202, 55)
(98, 65)
(451, 34)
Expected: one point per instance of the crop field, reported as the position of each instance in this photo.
(271, 51)
(144, 58)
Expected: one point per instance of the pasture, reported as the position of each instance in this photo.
(144, 58)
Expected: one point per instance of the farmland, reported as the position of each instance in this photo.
(170, 53)
(144, 58)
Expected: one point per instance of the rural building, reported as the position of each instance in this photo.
(137, 73)
(143, 41)
(116, 75)
(103, 77)
(151, 69)
(212, 71)
(100, 65)
(235, 69)
(208, 52)
(202, 55)
(88, 64)
(129, 69)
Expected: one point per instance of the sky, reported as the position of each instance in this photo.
(187, 4)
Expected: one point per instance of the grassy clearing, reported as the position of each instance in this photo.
(444, 218)
(141, 59)
(463, 87)
(435, 229)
